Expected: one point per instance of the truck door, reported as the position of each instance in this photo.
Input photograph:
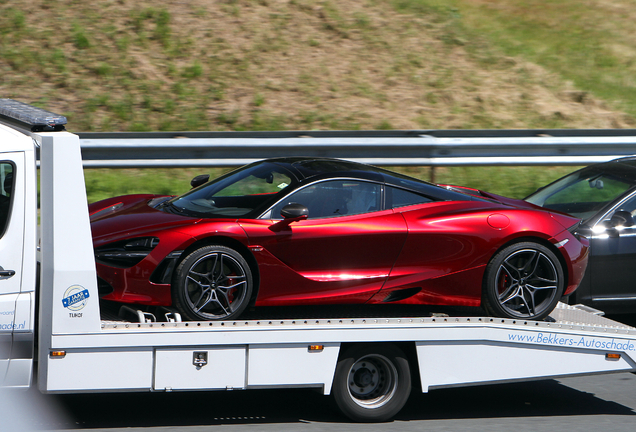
(12, 201)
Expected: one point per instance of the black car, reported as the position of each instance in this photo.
(603, 196)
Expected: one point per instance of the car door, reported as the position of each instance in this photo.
(612, 263)
(11, 253)
(342, 253)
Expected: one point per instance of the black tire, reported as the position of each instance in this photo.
(212, 283)
(372, 382)
(524, 280)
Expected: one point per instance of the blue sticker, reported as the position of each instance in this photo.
(75, 298)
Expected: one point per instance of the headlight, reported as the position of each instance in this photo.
(127, 253)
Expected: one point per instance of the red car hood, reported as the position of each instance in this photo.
(129, 215)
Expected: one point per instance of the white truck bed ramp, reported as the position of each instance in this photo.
(447, 351)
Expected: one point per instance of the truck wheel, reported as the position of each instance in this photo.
(212, 283)
(524, 280)
(372, 382)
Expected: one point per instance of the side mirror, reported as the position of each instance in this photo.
(199, 180)
(294, 211)
(622, 218)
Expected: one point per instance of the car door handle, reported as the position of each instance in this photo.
(7, 273)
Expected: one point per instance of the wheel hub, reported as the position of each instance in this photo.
(527, 283)
(216, 285)
(363, 377)
(372, 381)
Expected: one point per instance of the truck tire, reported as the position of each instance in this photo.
(212, 283)
(524, 280)
(372, 382)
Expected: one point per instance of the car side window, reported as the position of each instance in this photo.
(402, 198)
(271, 182)
(628, 206)
(6, 191)
(335, 198)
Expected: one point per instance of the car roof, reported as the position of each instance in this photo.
(310, 169)
(628, 162)
(624, 168)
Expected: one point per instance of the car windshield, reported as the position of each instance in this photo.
(235, 194)
(582, 193)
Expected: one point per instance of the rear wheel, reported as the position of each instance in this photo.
(372, 382)
(212, 283)
(524, 280)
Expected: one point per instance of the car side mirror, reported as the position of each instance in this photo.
(621, 218)
(199, 180)
(294, 211)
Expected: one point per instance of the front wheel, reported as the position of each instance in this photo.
(212, 283)
(372, 382)
(524, 280)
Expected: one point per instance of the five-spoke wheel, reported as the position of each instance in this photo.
(524, 280)
(212, 283)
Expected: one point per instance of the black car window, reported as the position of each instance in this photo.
(335, 198)
(6, 192)
(401, 198)
(581, 194)
(628, 206)
(271, 182)
(235, 194)
(436, 192)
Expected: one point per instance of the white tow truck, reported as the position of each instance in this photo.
(51, 327)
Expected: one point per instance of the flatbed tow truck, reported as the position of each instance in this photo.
(53, 334)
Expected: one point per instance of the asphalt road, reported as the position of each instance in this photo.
(597, 403)
(602, 403)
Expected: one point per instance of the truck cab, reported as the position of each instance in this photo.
(30, 253)
(18, 227)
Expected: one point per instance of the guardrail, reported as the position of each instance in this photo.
(385, 148)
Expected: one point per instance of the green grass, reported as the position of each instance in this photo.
(106, 183)
(174, 67)
(587, 43)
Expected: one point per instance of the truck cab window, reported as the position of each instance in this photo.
(6, 188)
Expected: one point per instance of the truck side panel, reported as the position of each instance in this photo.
(204, 368)
(460, 364)
(292, 365)
(19, 367)
(101, 370)
(68, 283)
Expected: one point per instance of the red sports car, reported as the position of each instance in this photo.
(301, 231)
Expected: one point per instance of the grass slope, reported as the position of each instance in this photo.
(300, 64)
(116, 65)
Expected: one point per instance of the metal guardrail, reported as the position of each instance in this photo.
(385, 148)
